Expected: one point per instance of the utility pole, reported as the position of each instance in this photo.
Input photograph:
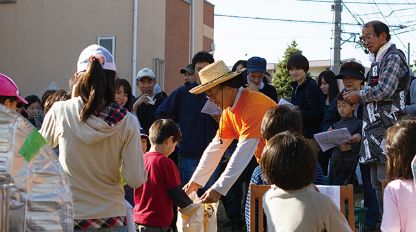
(336, 50)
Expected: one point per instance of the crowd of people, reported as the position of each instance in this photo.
(133, 161)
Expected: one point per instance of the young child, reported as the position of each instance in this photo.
(292, 203)
(400, 194)
(154, 200)
(344, 157)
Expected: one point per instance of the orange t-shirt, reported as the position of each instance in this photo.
(244, 120)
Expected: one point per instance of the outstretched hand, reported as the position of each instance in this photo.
(210, 196)
(190, 187)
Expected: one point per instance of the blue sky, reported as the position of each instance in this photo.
(237, 38)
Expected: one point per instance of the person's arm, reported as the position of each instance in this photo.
(411, 109)
(387, 83)
(238, 162)
(331, 116)
(391, 215)
(132, 157)
(49, 128)
(167, 107)
(209, 161)
(179, 197)
(333, 219)
(314, 112)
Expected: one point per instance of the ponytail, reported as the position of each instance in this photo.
(96, 88)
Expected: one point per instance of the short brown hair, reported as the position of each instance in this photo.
(281, 118)
(401, 149)
(162, 129)
(288, 161)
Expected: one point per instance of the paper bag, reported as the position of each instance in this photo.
(202, 219)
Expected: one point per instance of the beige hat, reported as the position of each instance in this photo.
(213, 75)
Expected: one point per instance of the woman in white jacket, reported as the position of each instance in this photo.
(99, 144)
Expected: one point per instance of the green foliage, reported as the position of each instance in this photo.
(281, 78)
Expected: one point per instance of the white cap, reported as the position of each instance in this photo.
(101, 53)
(145, 72)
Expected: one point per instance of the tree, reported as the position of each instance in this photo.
(281, 78)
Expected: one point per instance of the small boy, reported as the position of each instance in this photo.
(9, 93)
(155, 198)
(344, 157)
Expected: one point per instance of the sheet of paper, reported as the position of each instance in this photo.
(284, 102)
(332, 138)
(211, 108)
(413, 164)
(331, 191)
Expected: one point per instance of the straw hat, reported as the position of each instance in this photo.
(213, 75)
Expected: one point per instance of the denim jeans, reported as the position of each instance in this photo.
(370, 200)
(378, 174)
(187, 167)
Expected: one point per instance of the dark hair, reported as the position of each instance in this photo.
(279, 119)
(96, 87)
(298, 61)
(202, 56)
(162, 129)
(127, 89)
(379, 27)
(329, 77)
(60, 95)
(401, 149)
(288, 161)
(242, 62)
(4, 98)
(30, 100)
(45, 96)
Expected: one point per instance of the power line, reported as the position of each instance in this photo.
(288, 20)
(368, 3)
(393, 11)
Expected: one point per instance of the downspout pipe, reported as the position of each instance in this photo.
(134, 52)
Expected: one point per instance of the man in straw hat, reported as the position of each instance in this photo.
(241, 118)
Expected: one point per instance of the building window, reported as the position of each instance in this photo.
(109, 42)
(7, 1)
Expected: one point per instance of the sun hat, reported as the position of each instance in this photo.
(213, 75)
(352, 69)
(101, 53)
(187, 69)
(9, 89)
(256, 64)
(145, 72)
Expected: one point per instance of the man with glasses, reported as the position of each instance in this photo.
(383, 98)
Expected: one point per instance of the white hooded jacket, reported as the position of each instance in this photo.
(95, 155)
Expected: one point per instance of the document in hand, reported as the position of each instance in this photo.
(414, 169)
(284, 102)
(211, 108)
(332, 138)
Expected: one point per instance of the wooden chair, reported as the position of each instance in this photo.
(256, 196)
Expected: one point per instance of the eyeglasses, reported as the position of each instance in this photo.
(367, 37)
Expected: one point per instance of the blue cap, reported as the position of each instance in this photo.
(143, 132)
(256, 64)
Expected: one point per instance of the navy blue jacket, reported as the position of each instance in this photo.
(197, 128)
(310, 100)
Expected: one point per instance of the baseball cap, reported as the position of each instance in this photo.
(187, 69)
(101, 53)
(352, 69)
(9, 89)
(143, 132)
(256, 64)
(145, 72)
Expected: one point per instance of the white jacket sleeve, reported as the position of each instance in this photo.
(238, 162)
(49, 128)
(133, 164)
(210, 160)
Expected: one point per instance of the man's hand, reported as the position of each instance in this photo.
(142, 99)
(253, 87)
(356, 138)
(352, 97)
(190, 187)
(345, 147)
(211, 196)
